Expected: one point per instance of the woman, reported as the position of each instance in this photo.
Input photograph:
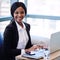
(16, 35)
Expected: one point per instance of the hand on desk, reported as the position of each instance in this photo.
(33, 48)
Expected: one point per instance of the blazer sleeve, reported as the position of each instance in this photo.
(10, 42)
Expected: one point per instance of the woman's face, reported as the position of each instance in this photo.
(19, 14)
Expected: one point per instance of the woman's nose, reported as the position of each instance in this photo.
(19, 14)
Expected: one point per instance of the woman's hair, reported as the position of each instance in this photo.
(16, 5)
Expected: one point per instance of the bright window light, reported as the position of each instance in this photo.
(5, 8)
(40, 26)
(44, 7)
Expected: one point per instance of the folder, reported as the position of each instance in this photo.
(36, 54)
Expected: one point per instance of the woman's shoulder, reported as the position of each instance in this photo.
(11, 25)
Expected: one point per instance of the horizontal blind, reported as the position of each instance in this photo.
(4, 8)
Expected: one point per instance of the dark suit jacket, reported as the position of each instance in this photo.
(11, 38)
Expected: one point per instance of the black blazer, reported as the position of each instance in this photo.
(11, 38)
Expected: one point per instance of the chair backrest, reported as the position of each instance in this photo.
(1, 42)
(1, 46)
(1, 39)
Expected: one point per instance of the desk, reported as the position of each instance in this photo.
(19, 57)
(52, 56)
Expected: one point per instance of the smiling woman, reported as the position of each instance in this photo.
(17, 38)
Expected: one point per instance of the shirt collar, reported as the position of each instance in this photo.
(19, 27)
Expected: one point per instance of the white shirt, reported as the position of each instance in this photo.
(23, 37)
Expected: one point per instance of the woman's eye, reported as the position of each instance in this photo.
(16, 12)
(22, 12)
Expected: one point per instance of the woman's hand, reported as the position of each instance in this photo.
(34, 47)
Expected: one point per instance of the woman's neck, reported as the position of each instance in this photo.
(21, 24)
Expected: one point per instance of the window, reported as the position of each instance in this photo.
(43, 16)
(5, 13)
(4, 8)
(22, 1)
(44, 7)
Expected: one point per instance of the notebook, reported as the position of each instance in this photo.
(35, 54)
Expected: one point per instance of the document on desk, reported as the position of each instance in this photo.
(35, 54)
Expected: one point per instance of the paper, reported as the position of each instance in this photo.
(37, 54)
